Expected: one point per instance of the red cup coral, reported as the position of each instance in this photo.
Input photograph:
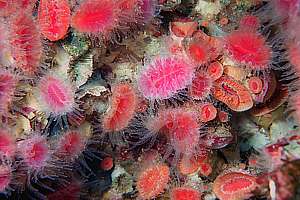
(234, 186)
(185, 193)
(54, 18)
(153, 181)
(123, 105)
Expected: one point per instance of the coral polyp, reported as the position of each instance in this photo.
(234, 186)
(185, 193)
(149, 99)
(123, 105)
(88, 19)
(153, 180)
(250, 49)
(57, 96)
(164, 77)
(54, 18)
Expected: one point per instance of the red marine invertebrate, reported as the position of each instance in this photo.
(153, 181)
(199, 51)
(207, 112)
(249, 48)
(71, 144)
(190, 164)
(201, 86)
(250, 23)
(164, 77)
(88, 19)
(232, 93)
(255, 84)
(8, 85)
(107, 163)
(57, 96)
(215, 70)
(54, 18)
(123, 106)
(182, 130)
(183, 27)
(7, 143)
(234, 186)
(185, 193)
(26, 47)
(34, 151)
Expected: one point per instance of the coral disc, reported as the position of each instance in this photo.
(107, 163)
(234, 186)
(182, 129)
(185, 193)
(5, 177)
(255, 84)
(164, 76)
(56, 95)
(215, 70)
(26, 46)
(249, 48)
(207, 112)
(249, 22)
(123, 105)
(54, 18)
(96, 16)
(35, 152)
(153, 181)
(232, 93)
(201, 86)
(71, 144)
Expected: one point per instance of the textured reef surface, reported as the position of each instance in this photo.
(149, 99)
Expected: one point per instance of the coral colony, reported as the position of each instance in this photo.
(149, 99)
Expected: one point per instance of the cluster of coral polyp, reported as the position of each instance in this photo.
(81, 120)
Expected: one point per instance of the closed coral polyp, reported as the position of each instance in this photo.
(123, 105)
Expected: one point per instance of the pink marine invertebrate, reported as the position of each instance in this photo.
(164, 77)
(34, 151)
(182, 130)
(71, 144)
(234, 186)
(153, 181)
(26, 47)
(54, 18)
(185, 193)
(201, 86)
(8, 83)
(88, 19)
(249, 49)
(123, 106)
(249, 23)
(57, 96)
(7, 143)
